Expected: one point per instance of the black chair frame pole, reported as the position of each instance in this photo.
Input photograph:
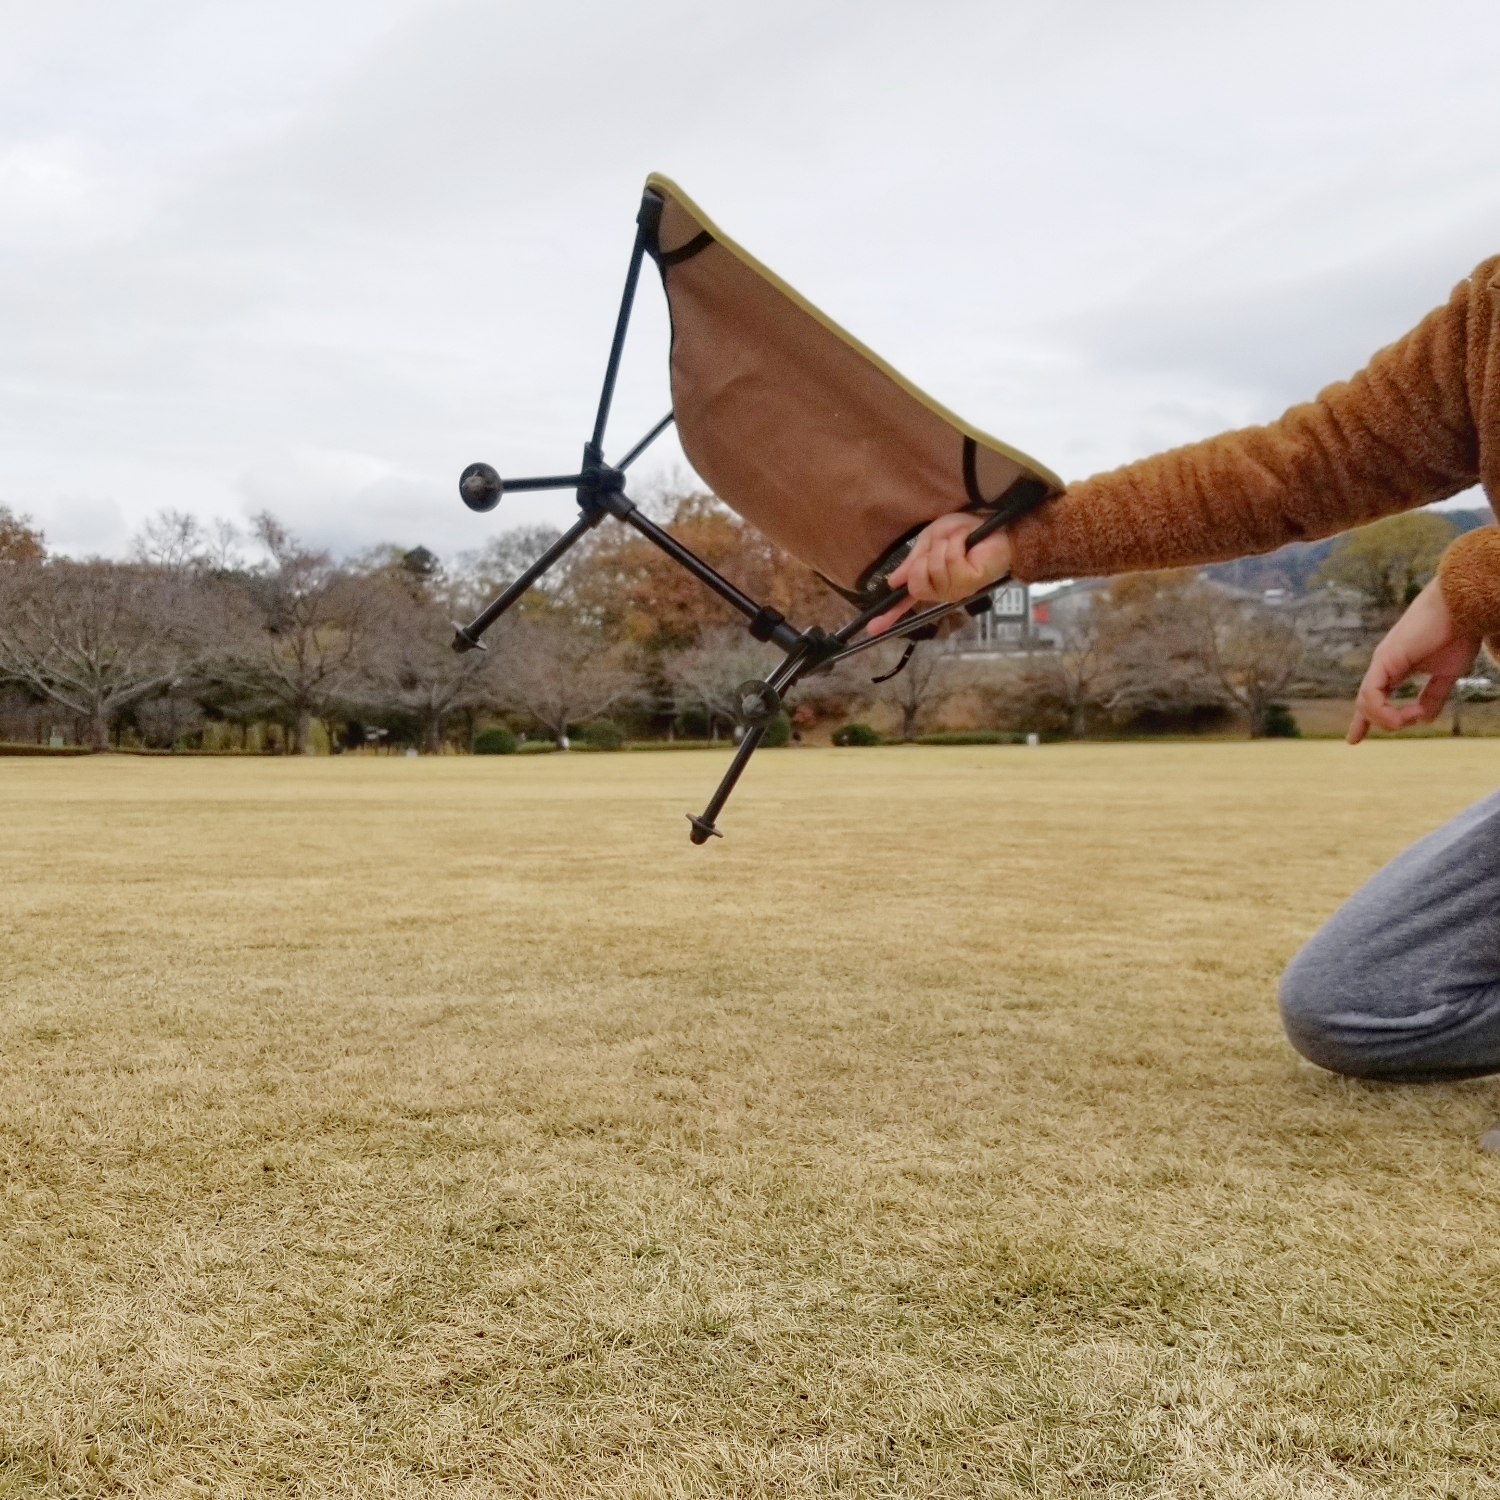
(600, 491)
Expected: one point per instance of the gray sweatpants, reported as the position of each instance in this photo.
(1403, 981)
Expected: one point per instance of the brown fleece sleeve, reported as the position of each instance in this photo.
(1469, 577)
(1401, 433)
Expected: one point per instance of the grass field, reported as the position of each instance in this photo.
(401, 1127)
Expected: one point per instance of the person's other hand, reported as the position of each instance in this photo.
(1424, 639)
(939, 569)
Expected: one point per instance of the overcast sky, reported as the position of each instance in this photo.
(317, 255)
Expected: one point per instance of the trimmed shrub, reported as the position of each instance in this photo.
(778, 731)
(973, 737)
(602, 734)
(1280, 724)
(855, 734)
(12, 749)
(496, 740)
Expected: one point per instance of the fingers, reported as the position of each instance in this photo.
(1435, 694)
(931, 536)
(912, 570)
(919, 580)
(955, 570)
(1425, 641)
(948, 570)
(940, 566)
(899, 575)
(1373, 703)
(889, 618)
(1373, 706)
(1390, 719)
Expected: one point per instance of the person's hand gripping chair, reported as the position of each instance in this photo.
(801, 430)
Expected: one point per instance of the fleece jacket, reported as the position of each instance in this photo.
(1420, 422)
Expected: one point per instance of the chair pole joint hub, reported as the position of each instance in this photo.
(818, 646)
(601, 486)
(759, 703)
(763, 625)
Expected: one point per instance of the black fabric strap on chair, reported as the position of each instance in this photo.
(906, 656)
(971, 473)
(665, 258)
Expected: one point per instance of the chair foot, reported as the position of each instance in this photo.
(703, 830)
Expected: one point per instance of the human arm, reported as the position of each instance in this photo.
(1401, 433)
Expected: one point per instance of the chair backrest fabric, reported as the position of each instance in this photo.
(798, 426)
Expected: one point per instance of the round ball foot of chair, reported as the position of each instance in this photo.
(1490, 1140)
(481, 487)
(758, 703)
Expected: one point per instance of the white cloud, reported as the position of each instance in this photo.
(87, 526)
(348, 501)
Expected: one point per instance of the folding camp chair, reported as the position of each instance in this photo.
(799, 428)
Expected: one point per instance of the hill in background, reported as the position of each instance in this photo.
(1292, 566)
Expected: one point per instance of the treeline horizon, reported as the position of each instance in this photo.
(210, 632)
(208, 636)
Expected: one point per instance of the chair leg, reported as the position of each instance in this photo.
(703, 823)
(466, 637)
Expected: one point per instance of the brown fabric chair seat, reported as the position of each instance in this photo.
(795, 424)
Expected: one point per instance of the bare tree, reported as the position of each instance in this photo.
(1151, 647)
(171, 540)
(168, 718)
(1174, 642)
(479, 576)
(224, 549)
(410, 664)
(561, 675)
(177, 542)
(291, 633)
(1072, 676)
(93, 638)
(1252, 653)
(704, 677)
(929, 678)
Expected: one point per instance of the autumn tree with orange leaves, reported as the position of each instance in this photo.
(19, 541)
(621, 585)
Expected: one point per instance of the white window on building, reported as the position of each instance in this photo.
(1008, 618)
(1010, 603)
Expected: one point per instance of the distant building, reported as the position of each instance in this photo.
(1018, 621)
(1008, 621)
(1331, 618)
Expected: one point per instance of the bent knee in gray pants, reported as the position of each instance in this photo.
(1403, 981)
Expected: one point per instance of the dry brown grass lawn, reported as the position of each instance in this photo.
(395, 1127)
